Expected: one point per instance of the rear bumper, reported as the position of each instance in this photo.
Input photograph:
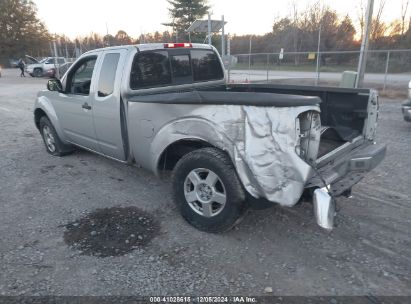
(342, 174)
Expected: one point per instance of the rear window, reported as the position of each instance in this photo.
(206, 65)
(181, 65)
(150, 69)
(181, 69)
(174, 67)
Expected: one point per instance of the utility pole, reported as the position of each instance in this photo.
(209, 29)
(249, 59)
(364, 45)
(108, 37)
(222, 38)
(57, 74)
(67, 55)
(318, 55)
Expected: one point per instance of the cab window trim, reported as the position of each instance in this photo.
(74, 69)
(114, 73)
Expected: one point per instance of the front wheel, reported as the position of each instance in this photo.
(51, 139)
(207, 190)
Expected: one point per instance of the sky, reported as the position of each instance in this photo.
(81, 17)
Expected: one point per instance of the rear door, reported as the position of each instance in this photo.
(109, 112)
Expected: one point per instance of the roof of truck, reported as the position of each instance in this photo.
(156, 46)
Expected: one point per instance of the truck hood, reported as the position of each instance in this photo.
(34, 65)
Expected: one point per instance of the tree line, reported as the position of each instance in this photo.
(299, 32)
(21, 32)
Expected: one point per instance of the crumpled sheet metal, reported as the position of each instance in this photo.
(261, 142)
(275, 171)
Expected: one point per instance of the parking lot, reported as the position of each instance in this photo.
(43, 198)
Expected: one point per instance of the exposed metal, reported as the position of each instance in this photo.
(324, 208)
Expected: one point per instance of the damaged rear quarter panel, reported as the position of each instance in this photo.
(261, 142)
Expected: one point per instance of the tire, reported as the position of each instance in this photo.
(53, 143)
(38, 72)
(201, 180)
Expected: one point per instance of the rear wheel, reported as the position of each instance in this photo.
(51, 139)
(207, 190)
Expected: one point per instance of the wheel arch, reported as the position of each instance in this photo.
(182, 136)
(38, 114)
(44, 107)
(176, 150)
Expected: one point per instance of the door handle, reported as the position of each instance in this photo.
(86, 106)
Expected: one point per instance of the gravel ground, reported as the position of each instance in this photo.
(42, 197)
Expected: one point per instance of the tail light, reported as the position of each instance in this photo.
(177, 45)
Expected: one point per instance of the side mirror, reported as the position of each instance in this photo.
(54, 85)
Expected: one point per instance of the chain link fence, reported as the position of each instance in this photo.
(387, 70)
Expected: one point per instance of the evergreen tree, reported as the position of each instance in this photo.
(183, 13)
(21, 32)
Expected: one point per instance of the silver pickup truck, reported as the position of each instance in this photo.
(167, 107)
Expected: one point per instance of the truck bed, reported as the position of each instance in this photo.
(343, 111)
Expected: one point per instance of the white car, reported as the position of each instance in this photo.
(37, 69)
(406, 105)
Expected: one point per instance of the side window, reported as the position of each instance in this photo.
(50, 61)
(150, 69)
(79, 79)
(108, 74)
(60, 60)
(206, 65)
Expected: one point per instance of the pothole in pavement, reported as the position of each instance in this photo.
(111, 231)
